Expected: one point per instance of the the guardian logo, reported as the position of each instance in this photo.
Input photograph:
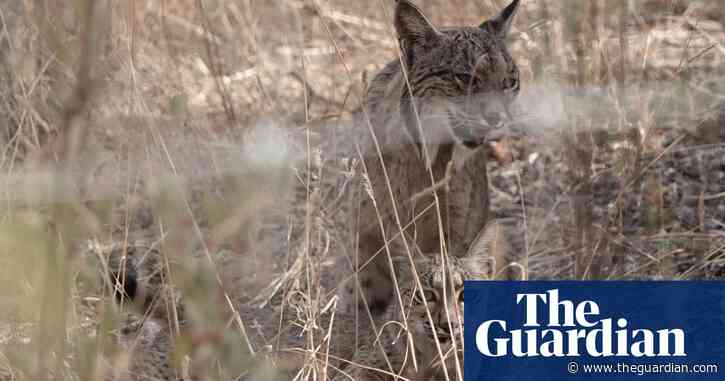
(572, 330)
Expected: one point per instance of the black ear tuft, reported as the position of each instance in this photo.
(412, 26)
(501, 24)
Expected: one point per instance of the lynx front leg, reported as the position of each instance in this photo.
(467, 198)
(373, 277)
(369, 363)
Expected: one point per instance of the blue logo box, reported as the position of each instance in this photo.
(577, 330)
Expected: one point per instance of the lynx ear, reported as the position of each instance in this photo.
(412, 26)
(501, 24)
(488, 254)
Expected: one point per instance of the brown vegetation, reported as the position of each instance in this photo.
(194, 125)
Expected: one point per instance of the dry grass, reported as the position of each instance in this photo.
(184, 123)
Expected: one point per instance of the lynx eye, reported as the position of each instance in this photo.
(429, 296)
(510, 84)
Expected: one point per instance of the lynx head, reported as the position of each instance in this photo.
(461, 79)
(442, 289)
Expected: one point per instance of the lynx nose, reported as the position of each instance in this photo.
(494, 119)
(495, 113)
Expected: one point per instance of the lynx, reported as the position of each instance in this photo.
(137, 276)
(425, 121)
(355, 346)
(150, 345)
(432, 343)
(155, 313)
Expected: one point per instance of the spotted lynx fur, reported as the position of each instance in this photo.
(137, 279)
(424, 123)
